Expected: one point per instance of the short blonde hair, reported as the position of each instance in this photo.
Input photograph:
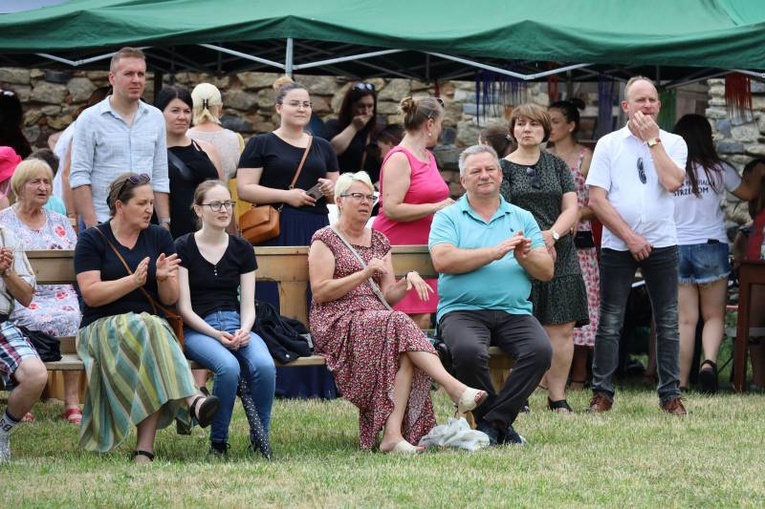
(345, 181)
(204, 96)
(27, 170)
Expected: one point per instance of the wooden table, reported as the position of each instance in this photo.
(750, 273)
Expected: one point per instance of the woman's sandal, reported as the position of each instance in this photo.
(561, 406)
(73, 415)
(708, 377)
(206, 410)
(470, 399)
(146, 454)
(405, 448)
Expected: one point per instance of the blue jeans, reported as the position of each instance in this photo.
(617, 271)
(252, 361)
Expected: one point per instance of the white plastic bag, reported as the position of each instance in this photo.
(455, 434)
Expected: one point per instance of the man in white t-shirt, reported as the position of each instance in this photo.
(633, 174)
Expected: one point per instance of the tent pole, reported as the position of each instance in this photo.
(288, 58)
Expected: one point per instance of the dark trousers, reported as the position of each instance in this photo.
(469, 334)
(617, 272)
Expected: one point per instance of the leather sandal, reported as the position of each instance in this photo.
(73, 415)
(470, 399)
(206, 410)
(561, 406)
(708, 377)
(145, 454)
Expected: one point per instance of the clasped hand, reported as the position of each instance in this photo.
(520, 245)
(235, 341)
(6, 259)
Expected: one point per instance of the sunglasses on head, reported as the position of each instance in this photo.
(364, 86)
(135, 179)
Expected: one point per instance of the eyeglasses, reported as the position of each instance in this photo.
(297, 104)
(364, 86)
(531, 171)
(361, 196)
(217, 206)
(641, 170)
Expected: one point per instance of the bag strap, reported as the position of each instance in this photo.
(375, 289)
(183, 170)
(364, 150)
(302, 161)
(152, 301)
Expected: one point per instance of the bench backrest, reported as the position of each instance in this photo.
(287, 266)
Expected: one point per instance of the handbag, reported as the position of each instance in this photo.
(583, 239)
(47, 346)
(174, 320)
(261, 222)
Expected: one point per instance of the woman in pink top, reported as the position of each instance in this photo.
(412, 190)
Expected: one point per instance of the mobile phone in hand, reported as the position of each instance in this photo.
(315, 191)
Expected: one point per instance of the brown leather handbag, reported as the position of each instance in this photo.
(261, 222)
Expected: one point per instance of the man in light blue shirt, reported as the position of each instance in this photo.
(118, 135)
(485, 250)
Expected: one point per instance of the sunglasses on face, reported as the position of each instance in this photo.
(364, 86)
(531, 172)
(641, 170)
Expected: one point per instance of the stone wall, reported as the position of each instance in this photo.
(53, 99)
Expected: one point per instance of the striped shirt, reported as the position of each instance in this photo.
(105, 146)
(21, 266)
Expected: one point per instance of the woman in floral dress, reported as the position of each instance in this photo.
(381, 360)
(54, 308)
(564, 116)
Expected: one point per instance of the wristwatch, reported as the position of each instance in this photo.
(163, 220)
(556, 235)
(653, 142)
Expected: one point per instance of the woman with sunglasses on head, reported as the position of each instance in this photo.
(268, 165)
(542, 184)
(190, 162)
(564, 118)
(127, 271)
(217, 303)
(703, 246)
(382, 362)
(412, 190)
(353, 134)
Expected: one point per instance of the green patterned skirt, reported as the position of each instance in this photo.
(135, 368)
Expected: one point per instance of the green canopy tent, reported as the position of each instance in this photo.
(678, 40)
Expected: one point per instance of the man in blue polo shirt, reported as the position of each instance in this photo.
(485, 250)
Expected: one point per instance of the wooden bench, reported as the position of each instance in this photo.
(286, 266)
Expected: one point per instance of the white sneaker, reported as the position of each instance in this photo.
(5, 449)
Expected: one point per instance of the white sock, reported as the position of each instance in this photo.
(7, 423)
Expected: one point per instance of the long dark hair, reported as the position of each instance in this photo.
(11, 118)
(697, 133)
(352, 96)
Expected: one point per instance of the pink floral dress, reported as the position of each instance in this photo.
(54, 308)
(588, 263)
(362, 342)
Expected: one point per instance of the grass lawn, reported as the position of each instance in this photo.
(633, 456)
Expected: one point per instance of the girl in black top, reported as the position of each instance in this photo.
(217, 303)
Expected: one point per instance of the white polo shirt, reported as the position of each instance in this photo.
(648, 209)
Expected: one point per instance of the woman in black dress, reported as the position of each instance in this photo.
(542, 184)
(190, 162)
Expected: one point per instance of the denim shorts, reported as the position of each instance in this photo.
(704, 263)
